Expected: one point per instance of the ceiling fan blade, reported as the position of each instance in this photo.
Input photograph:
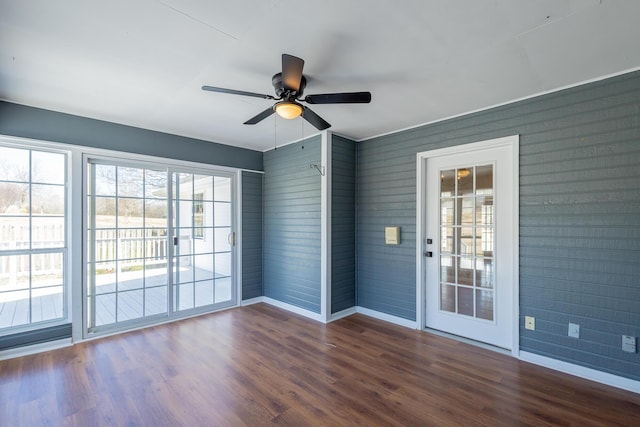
(260, 117)
(339, 98)
(291, 72)
(317, 121)
(236, 92)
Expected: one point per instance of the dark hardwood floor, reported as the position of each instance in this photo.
(259, 365)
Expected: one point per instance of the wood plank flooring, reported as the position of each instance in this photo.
(259, 365)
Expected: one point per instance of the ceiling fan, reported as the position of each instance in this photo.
(289, 86)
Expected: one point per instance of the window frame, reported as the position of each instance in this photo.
(65, 250)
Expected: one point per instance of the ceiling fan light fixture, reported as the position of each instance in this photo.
(288, 110)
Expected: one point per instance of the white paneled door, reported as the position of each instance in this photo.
(469, 238)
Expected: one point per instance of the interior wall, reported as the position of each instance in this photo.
(292, 230)
(46, 125)
(343, 223)
(579, 217)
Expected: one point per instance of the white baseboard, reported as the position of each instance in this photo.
(34, 348)
(251, 301)
(344, 313)
(387, 317)
(582, 372)
(292, 308)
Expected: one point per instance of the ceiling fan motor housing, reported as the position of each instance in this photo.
(281, 91)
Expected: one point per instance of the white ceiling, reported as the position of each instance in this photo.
(143, 62)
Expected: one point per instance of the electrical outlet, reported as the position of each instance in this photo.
(530, 323)
(574, 330)
(628, 344)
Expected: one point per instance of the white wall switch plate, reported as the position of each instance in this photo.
(574, 330)
(628, 344)
(530, 323)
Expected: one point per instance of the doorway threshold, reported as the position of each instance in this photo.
(469, 341)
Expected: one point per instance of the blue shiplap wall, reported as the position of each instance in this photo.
(579, 217)
(47, 125)
(251, 235)
(343, 224)
(291, 244)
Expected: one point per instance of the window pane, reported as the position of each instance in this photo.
(105, 311)
(465, 271)
(105, 180)
(155, 184)
(466, 214)
(47, 304)
(47, 199)
(14, 273)
(46, 269)
(130, 212)
(14, 198)
(222, 214)
(223, 290)
(447, 298)
(105, 212)
(465, 181)
(484, 304)
(447, 239)
(447, 183)
(223, 264)
(204, 293)
(183, 186)
(448, 269)
(14, 231)
(447, 212)
(221, 243)
(155, 213)
(184, 296)
(204, 267)
(203, 186)
(465, 301)
(155, 300)
(47, 232)
(14, 164)
(222, 189)
(130, 182)
(484, 179)
(129, 305)
(47, 168)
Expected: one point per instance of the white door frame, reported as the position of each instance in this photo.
(513, 142)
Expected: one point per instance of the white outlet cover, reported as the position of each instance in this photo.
(628, 343)
(574, 330)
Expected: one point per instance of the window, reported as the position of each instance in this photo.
(33, 242)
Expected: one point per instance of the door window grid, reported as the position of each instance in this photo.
(202, 267)
(33, 246)
(128, 244)
(466, 242)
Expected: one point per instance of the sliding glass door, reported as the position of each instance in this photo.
(160, 243)
(202, 240)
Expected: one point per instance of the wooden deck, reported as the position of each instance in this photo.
(259, 365)
(130, 302)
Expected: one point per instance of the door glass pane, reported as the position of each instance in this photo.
(447, 183)
(447, 212)
(466, 241)
(448, 298)
(464, 181)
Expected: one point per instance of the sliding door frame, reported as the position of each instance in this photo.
(81, 322)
